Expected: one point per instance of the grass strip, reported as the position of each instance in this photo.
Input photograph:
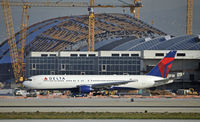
(96, 115)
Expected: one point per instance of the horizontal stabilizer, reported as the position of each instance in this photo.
(163, 81)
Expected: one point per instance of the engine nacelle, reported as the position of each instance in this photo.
(85, 89)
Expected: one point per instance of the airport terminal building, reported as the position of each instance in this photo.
(185, 69)
(84, 63)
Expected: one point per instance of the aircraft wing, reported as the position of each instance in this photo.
(110, 84)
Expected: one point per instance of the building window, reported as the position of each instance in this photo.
(104, 68)
(134, 55)
(91, 55)
(63, 67)
(199, 65)
(53, 55)
(159, 54)
(149, 68)
(125, 55)
(83, 55)
(180, 54)
(191, 76)
(116, 55)
(82, 73)
(44, 55)
(52, 72)
(34, 66)
(125, 73)
(74, 55)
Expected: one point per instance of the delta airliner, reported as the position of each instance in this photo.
(86, 83)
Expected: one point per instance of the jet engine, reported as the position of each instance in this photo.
(85, 89)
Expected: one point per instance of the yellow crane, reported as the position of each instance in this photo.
(91, 25)
(17, 55)
(189, 17)
(21, 44)
(11, 38)
(137, 3)
(49, 4)
(134, 8)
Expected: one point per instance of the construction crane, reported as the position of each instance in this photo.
(136, 5)
(135, 8)
(49, 4)
(189, 17)
(17, 55)
(91, 25)
(11, 38)
(21, 44)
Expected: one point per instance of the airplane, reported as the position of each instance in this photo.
(87, 83)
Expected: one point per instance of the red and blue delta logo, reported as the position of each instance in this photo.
(45, 78)
(165, 65)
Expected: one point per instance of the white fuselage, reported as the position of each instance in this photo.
(74, 81)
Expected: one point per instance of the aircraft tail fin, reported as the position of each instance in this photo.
(163, 67)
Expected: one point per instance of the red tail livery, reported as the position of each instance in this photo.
(163, 67)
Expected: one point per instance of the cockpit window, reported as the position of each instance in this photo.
(29, 79)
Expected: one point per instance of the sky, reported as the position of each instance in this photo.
(168, 15)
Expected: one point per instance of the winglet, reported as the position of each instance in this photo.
(163, 67)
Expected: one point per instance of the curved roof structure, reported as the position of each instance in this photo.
(186, 42)
(117, 32)
(71, 33)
